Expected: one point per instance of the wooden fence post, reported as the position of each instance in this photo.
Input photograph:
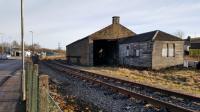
(34, 92)
(37, 90)
(23, 83)
(28, 85)
(43, 93)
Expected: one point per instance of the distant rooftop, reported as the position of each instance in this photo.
(195, 40)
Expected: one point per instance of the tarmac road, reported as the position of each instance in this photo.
(10, 85)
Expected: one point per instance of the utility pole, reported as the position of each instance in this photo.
(22, 49)
(59, 47)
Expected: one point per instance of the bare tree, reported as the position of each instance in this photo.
(15, 44)
(36, 46)
(179, 34)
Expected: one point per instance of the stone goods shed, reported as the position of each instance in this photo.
(99, 48)
(154, 50)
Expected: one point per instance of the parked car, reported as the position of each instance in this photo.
(4, 56)
(8, 55)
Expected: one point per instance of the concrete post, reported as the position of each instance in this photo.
(34, 95)
(28, 81)
(43, 93)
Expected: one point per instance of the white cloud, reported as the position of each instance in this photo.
(65, 21)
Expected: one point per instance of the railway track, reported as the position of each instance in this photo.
(171, 100)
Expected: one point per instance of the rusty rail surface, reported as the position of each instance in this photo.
(166, 91)
(94, 78)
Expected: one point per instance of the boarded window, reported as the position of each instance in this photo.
(171, 50)
(127, 50)
(149, 45)
(137, 52)
(165, 50)
(131, 52)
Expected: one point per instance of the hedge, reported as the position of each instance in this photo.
(194, 52)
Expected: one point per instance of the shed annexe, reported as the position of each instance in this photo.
(154, 50)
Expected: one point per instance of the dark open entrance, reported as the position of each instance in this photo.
(105, 52)
(17, 54)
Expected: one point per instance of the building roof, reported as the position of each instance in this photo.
(113, 31)
(195, 46)
(151, 36)
(195, 40)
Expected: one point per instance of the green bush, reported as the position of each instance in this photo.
(194, 52)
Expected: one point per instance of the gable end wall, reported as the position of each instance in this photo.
(80, 48)
(159, 62)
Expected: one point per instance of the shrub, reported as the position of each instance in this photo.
(194, 52)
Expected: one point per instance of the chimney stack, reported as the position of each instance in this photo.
(115, 19)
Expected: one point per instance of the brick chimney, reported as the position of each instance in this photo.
(115, 19)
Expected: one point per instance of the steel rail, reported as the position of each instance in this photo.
(155, 102)
(165, 91)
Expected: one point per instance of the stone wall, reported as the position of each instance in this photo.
(79, 49)
(136, 54)
(91, 52)
(113, 31)
(159, 61)
(84, 47)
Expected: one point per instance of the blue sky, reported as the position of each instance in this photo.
(64, 21)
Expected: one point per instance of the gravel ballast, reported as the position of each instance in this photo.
(100, 97)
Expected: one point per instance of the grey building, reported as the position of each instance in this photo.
(117, 45)
(154, 50)
(193, 46)
(99, 48)
(192, 43)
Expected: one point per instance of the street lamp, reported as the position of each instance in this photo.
(22, 35)
(22, 49)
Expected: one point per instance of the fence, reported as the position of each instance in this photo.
(37, 94)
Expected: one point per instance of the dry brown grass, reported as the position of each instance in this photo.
(181, 80)
(192, 58)
(54, 57)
